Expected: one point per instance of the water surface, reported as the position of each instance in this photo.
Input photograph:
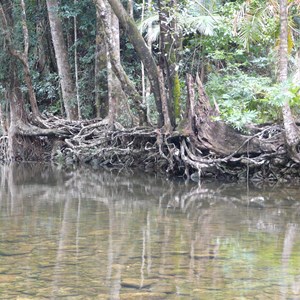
(84, 234)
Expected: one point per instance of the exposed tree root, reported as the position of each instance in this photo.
(261, 156)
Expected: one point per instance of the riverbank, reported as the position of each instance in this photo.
(259, 156)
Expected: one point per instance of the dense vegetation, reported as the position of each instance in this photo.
(94, 77)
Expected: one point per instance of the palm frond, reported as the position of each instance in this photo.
(195, 18)
(205, 25)
(251, 21)
(249, 31)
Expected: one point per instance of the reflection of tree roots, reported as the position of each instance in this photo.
(4, 155)
(100, 144)
(31, 148)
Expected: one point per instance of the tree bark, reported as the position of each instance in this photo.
(291, 130)
(101, 88)
(142, 50)
(41, 54)
(113, 83)
(21, 56)
(61, 54)
(168, 56)
(190, 106)
(126, 83)
(76, 63)
(167, 122)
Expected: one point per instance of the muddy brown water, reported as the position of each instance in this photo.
(92, 234)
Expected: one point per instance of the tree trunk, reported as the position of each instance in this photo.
(167, 122)
(101, 88)
(142, 50)
(190, 102)
(168, 56)
(22, 56)
(18, 114)
(42, 61)
(61, 54)
(126, 83)
(28, 79)
(113, 83)
(76, 62)
(291, 129)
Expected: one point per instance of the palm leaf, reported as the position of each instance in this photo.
(202, 24)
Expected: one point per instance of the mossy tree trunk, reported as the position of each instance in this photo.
(114, 65)
(169, 44)
(142, 51)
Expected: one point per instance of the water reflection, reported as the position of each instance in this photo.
(83, 234)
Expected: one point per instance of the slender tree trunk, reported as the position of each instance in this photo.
(18, 115)
(190, 105)
(76, 65)
(28, 79)
(291, 130)
(61, 54)
(142, 50)
(17, 105)
(101, 88)
(112, 79)
(42, 62)
(22, 56)
(169, 43)
(126, 83)
(147, 83)
(164, 101)
(142, 65)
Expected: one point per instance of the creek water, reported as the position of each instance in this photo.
(92, 234)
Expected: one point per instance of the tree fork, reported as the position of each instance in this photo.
(126, 83)
(143, 52)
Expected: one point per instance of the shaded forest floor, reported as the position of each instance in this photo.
(98, 144)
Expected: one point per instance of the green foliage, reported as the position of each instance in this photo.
(278, 94)
(192, 18)
(47, 92)
(46, 88)
(244, 98)
(231, 43)
(255, 23)
(240, 97)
